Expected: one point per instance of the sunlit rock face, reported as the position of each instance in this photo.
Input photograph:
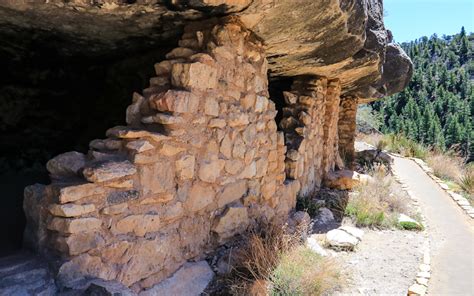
(344, 39)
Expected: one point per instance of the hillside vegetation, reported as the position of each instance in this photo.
(437, 108)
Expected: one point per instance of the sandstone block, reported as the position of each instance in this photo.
(233, 166)
(70, 226)
(107, 171)
(190, 280)
(194, 76)
(344, 179)
(261, 104)
(217, 123)
(157, 177)
(180, 52)
(82, 267)
(77, 192)
(210, 170)
(79, 243)
(232, 192)
(235, 219)
(138, 224)
(71, 210)
(67, 164)
(159, 198)
(139, 146)
(249, 171)
(173, 213)
(211, 107)
(240, 119)
(176, 101)
(147, 257)
(114, 209)
(124, 132)
(199, 197)
(132, 115)
(269, 189)
(185, 167)
(226, 146)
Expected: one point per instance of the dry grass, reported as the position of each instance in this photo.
(269, 255)
(446, 166)
(303, 272)
(378, 203)
(467, 181)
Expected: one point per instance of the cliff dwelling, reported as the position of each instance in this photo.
(150, 132)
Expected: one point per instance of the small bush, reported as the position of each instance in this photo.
(303, 272)
(377, 203)
(410, 226)
(261, 253)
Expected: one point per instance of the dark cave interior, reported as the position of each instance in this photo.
(50, 104)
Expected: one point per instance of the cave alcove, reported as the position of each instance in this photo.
(51, 103)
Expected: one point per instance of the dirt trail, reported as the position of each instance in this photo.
(450, 230)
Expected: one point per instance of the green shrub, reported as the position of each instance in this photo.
(410, 225)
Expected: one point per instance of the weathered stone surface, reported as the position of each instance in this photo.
(210, 170)
(340, 239)
(313, 245)
(191, 279)
(199, 197)
(231, 192)
(156, 178)
(122, 196)
(139, 146)
(67, 164)
(109, 171)
(176, 101)
(69, 226)
(185, 167)
(79, 243)
(77, 192)
(71, 210)
(345, 179)
(233, 220)
(138, 224)
(193, 76)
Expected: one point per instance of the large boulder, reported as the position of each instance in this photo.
(345, 179)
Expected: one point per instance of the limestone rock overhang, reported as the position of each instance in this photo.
(344, 39)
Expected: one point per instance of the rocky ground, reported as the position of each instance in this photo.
(385, 262)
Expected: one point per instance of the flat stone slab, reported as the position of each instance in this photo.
(190, 280)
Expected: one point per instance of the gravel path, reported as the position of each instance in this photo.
(385, 263)
(451, 233)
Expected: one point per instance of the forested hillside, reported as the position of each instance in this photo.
(437, 109)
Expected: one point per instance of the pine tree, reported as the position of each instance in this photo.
(437, 107)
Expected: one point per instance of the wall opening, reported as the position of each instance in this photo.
(276, 87)
(50, 104)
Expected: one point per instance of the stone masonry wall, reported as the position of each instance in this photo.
(347, 129)
(199, 161)
(310, 126)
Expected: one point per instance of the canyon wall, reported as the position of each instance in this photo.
(203, 157)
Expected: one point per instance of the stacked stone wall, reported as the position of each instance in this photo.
(347, 129)
(310, 125)
(199, 161)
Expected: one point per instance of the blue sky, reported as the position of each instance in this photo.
(411, 19)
